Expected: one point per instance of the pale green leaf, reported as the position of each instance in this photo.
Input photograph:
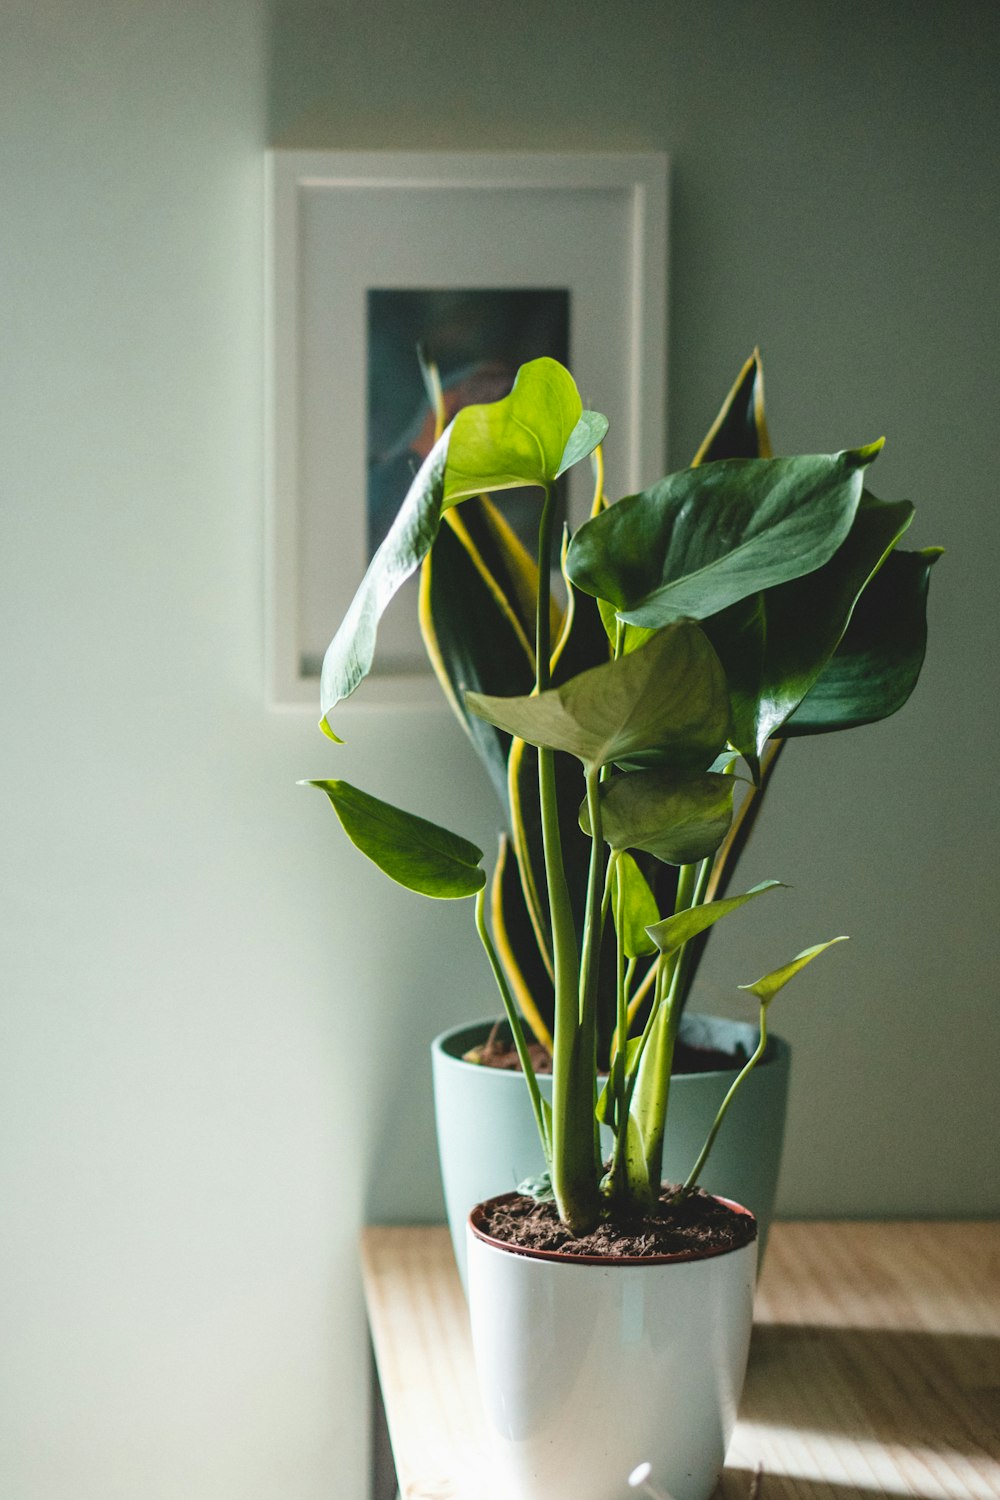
(673, 932)
(634, 907)
(765, 989)
(590, 430)
(528, 438)
(350, 654)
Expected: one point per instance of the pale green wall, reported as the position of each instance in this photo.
(185, 1156)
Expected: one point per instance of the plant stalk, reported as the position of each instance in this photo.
(574, 1179)
(748, 1067)
(516, 1029)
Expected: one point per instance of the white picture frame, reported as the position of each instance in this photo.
(341, 223)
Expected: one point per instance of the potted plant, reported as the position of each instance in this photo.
(479, 570)
(655, 732)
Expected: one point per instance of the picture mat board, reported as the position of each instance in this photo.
(343, 223)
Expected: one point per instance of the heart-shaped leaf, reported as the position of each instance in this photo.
(765, 989)
(673, 932)
(350, 654)
(704, 538)
(876, 665)
(678, 820)
(420, 855)
(529, 438)
(669, 695)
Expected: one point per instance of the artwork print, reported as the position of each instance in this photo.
(477, 338)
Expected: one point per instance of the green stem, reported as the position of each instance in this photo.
(574, 1175)
(653, 1093)
(516, 1029)
(618, 1080)
(748, 1067)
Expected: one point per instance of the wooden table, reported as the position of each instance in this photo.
(874, 1367)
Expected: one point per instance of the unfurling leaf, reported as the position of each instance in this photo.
(765, 989)
(420, 855)
(673, 932)
(637, 906)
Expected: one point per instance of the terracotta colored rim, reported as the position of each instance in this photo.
(600, 1260)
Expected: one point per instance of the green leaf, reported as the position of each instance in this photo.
(765, 989)
(528, 970)
(638, 908)
(673, 932)
(668, 695)
(528, 438)
(740, 430)
(606, 1112)
(418, 854)
(350, 654)
(590, 430)
(876, 665)
(775, 644)
(676, 820)
(704, 538)
(468, 578)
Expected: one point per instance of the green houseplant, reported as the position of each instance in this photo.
(728, 598)
(806, 649)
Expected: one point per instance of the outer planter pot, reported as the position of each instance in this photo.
(488, 1143)
(590, 1368)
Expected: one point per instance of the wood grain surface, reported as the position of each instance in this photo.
(874, 1367)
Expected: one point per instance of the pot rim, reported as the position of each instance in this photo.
(778, 1050)
(561, 1258)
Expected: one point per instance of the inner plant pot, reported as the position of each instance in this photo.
(488, 1143)
(592, 1363)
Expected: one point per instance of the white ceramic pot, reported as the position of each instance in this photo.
(588, 1368)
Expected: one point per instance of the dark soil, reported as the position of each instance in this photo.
(700, 1224)
(497, 1052)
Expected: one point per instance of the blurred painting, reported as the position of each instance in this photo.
(478, 339)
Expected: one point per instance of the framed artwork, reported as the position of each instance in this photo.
(484, 261)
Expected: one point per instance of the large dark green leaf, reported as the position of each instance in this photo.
(775, 644)
(875, 668)
(530, 437)
(704, 538)
(669, 695)
(350, 654)
(677, 819)
(472, 631)
(420, 855)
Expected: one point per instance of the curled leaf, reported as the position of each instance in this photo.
(765, 989)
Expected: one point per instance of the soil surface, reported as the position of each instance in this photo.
(496, 1052)
(700, 1224)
